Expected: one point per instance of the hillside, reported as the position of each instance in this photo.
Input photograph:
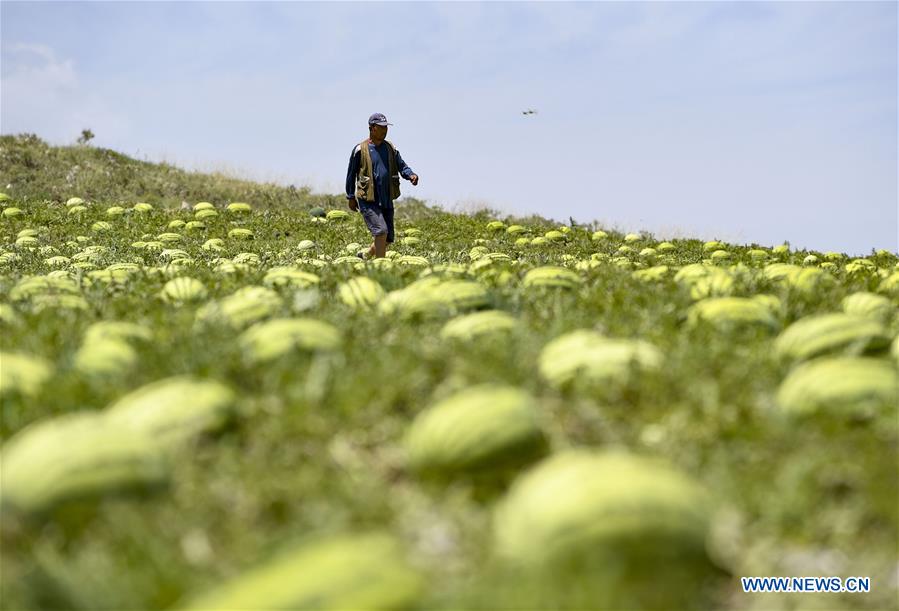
(31, 169)
(222, 407)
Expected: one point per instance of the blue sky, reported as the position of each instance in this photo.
(746, 121)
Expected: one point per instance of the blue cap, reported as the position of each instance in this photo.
(378, 119)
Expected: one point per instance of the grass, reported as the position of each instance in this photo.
(31, 169)
(316, 447)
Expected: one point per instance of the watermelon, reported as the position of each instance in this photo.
(340, 572)
(554, 235)
(705, 281)
(104, 358)
(205, 214)
(243, 307)
(273, 339)
(239, 208)
(841, 385)
(587, 356)
(478, 428)
(290, 276)
(656, 273)
(169, 237)
(176, 409)
(870, 305)
(183, 290)
(477, 325)
(119, 330)
(23, 374)
(550, 276)
(825, 333)
(337, 215)
(77, 457)
(580, 502)
(360, 293)
(729, 312)
(240, 233)
(432, 296)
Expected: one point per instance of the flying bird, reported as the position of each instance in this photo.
(529, 111)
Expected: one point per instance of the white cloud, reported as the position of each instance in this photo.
(42, 94)
(37, 67)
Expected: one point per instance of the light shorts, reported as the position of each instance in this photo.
(379, 219)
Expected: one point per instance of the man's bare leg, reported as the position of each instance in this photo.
(380, 246)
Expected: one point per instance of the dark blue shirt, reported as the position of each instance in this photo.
(380, 162)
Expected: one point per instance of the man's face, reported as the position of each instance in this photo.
(378, 132)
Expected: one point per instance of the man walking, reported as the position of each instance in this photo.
(373, 182)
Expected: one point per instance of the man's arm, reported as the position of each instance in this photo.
(351, 173)
(405, 170)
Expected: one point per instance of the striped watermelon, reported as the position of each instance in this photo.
(183, 290)
(352, 571)
(587, 529)
(477, 325)
(74, 457)
(360, 293)
(728, 312)
(205, 214)
(871, 305)
(290, 276)
(823, 333)
(841, 385)
(104, 358)
(587, 356)
(337, 215)
(551, 276)
(243, 307)
(174, 410)
(23, 374)
(273, 339)
(478, 428)
(240, 233)
(239, 208)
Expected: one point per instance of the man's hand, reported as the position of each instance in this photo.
(414, 179)
(352, 204)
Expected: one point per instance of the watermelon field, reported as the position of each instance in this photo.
(219, 406)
